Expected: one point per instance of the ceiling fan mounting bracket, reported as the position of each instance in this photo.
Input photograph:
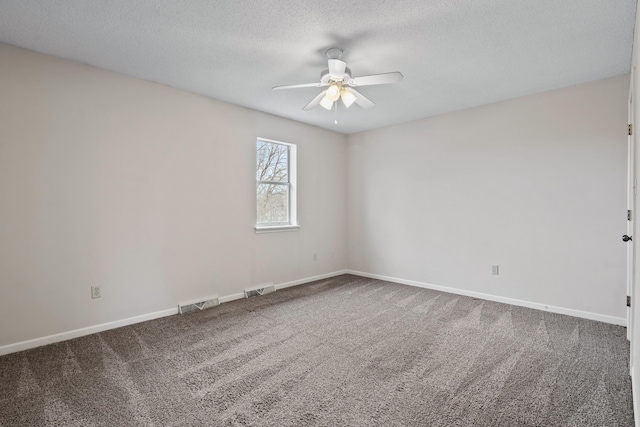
(334, 53)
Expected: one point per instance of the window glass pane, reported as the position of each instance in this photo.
(272, 162)
(273, 201)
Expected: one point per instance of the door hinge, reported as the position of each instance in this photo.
(630, 129)
(628, 214)
(628, 301)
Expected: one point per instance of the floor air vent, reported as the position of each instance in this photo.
(254, 292)
(198, 306)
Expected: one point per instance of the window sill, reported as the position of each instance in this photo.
(276, 229)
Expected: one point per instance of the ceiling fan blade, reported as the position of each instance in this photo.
(362, 100)
(377, 79)
(314, 103)
(300, 85)
(337, 68)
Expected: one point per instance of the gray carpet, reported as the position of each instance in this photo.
(346, 351)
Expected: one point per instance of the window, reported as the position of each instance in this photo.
(275, 186)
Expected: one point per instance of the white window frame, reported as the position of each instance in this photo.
(292, 224)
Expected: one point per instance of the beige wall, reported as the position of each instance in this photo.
(536, 185)
(146, 191)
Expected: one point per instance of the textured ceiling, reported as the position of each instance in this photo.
(454, 54)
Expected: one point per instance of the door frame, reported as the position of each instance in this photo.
(631, 193)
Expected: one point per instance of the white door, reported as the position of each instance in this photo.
(631, 192)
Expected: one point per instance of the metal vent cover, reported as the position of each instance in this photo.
(254, 292)
(198, 305)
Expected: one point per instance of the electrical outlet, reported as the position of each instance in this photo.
(315, 257)
(495, 270)
(95, 292)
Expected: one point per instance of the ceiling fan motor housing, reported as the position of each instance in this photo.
(326, 78)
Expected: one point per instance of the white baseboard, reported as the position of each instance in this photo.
(240, 295)
(231, 297)
(310, 279)
(64, 336)
(544, 307)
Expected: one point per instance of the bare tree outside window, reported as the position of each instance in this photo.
(273, 183)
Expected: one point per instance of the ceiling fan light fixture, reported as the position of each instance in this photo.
(326, 103)
(333, 93)
(339, 83)
(348, 98)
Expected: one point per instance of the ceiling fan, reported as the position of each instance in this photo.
(340, 85)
